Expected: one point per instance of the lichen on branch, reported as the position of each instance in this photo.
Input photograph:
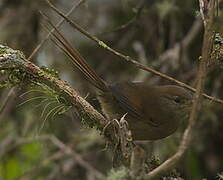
(12, 60)
(25, 71)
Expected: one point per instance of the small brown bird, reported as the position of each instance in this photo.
(153, 112)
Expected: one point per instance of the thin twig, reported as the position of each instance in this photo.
(66, 149)
(12, 59)
(127, 58)
(6, 100)
(57, 25)
(201, 74)
(131, 21)
(174, 52)
(36, 168)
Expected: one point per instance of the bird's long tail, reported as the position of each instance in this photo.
(77, 59)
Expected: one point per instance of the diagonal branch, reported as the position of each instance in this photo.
(201, 74)
(11, 59)
(174, 52)
(127, 58)
(57, 25)
(65, 149)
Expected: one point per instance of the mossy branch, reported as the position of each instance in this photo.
(15, 60)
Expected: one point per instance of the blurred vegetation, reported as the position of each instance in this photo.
(165, 35)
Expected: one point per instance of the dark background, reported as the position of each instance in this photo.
(165, 35)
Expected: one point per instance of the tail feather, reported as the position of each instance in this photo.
(77, 59)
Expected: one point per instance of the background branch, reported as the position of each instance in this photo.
(161, 27)
(188, 134)
(65, 149)
(127, 58)
(75, 6)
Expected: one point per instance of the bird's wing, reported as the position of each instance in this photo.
(128, 103)
(125, 94)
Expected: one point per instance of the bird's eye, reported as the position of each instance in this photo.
(177, 99)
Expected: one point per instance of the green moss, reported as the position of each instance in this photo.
(101, 43)
(50, 71)
(118, 174)
(217, 51)
(87, 121)
(32, 151)
(11, 169)
(2, 50)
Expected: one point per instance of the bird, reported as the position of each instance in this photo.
(152, 112)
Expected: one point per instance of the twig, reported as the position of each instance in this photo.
(5, 144)
(127, 58)
(192, 33)
(6, 100)
(137, 162)
(57, 25)
(201, 74)
(130, 22)
(12, 59)
(141, 76)
(34, 170)
(64, 148)
(174, 52)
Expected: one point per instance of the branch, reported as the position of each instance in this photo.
(5, 101)
(12, 59)
(127, 58)
(174, 53)
(57, 25)
(201, 74)
(65, 149)
(132, 21)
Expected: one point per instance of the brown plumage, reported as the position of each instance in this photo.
(153, 112)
